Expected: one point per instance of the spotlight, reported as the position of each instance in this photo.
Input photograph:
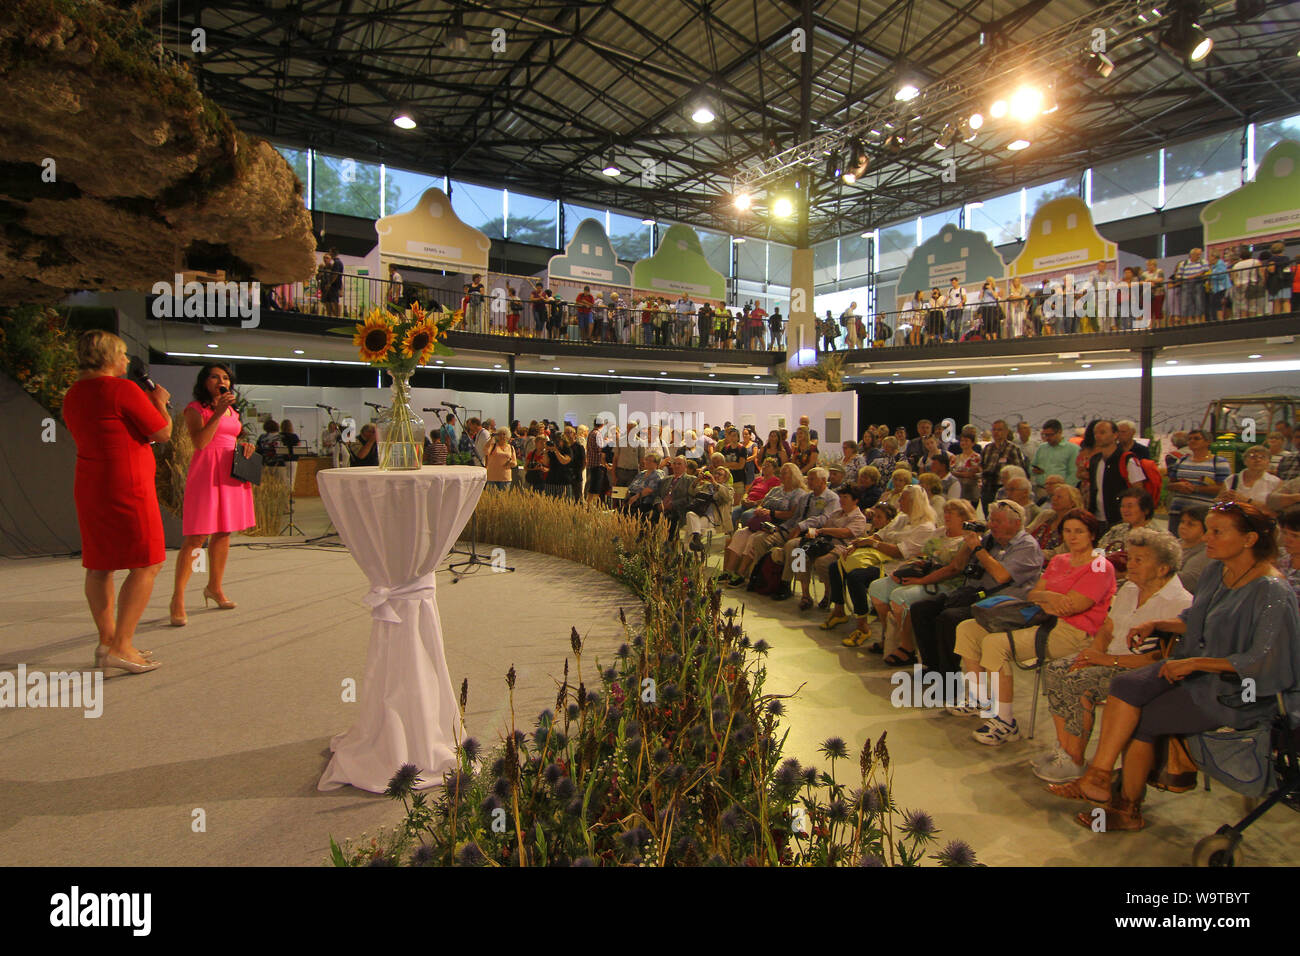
(703, 114)
(1184, 35)
(743, 201)
(457, 39)
(895, 142)
(848, 179)
(1202, 49)
(1018, 144)
(998, 109)
(404, 120)
(906, 91)
(976, 121)
(611, 167)
(1026, 103)
(783, 208)
(947, 137)
(834, 166)
(1101, 64)
(857, 163)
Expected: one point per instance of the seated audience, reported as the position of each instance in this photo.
(941, 466)
(778, 505)
(1253, 483)
(899, 481)
(1073, 590)
(870, 486)
(1046, 528)
(1243, 623)
(1076, 686)
(821, 547)
(1136, 510)
(764, 483)
(1288, 561)
(1191, 537)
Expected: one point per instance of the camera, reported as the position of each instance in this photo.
(975, 526)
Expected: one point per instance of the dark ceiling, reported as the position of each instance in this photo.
(542, 92)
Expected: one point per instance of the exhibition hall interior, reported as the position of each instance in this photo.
(765, 433)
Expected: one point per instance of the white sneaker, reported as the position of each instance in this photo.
(1060, 770)
(1046, 757)
(965, 711)
(995, 732)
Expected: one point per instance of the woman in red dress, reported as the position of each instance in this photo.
(113, 422)
(215, 503)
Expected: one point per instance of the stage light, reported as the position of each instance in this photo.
(999, 109)
(947, 137)
(783, 208)
(1184, 35)
(298, 352)
(1202, 49)
(611, 167)
(906, 91)
(1018, 144)
(213, 345)
(1026, 103)
(976, 121)
(703, 114)
(895, 143)
(457, 39)
(1102, 64)
(858, 161)
(404, 120)
(849, 179)
(743, 201)
(834, 166)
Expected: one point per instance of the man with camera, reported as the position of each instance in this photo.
(1004, 559)
(811, 510)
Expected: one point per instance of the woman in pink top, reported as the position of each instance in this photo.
(215, 503)
(500, 460)
(1076, 589)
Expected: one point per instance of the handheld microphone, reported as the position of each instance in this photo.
(138, 372)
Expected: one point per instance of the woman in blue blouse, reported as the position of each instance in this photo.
(1244, 624)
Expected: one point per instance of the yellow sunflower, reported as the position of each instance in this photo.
(374, 339)
(420, 341)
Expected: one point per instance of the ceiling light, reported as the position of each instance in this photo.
(1184, 35)
(857, 162)
(738, 239)
(758, 376)
(1018, 144)
(1026, 103)
(1086, 365)
(703, 115)
(663, 373)
(1015, 370)
(611, 167)
(1202, 49)
(906, 91)
(895, 143)
(438, 362)
(896, 374)
(1103, 65)
(947, 137)
(457, 38)
(783, 208)
(998, 109)
(1256, 355)
(213, 345)
(976, 121)
(555, 368)
(404, 120)
(711, 375)
(497, 365)
(647, 222)
(743, 201)
(834, 166)
(849, 179)
(1171, 361)
(298, 352)
(952, 373)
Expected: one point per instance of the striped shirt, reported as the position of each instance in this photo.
(1215, 467)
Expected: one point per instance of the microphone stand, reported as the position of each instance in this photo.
(472, 560)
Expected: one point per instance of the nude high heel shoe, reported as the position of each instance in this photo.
(101, 650)
(113, 662)
(224, 605)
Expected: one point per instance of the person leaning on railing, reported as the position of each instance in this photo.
(1277, 277)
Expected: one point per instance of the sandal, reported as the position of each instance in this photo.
(1097, 779)
(805, 603)
(1119, 814)
(901, 658)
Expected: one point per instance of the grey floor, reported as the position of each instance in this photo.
(237, 721)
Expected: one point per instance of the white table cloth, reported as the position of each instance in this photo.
(399, 526)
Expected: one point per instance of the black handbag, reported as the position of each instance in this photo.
(916, 568)
(817, 547)
(247, 469)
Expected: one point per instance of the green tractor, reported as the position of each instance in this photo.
(1235, 424)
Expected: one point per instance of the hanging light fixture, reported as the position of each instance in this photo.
(702, 114)
(611, 167)
(1184, 35)
(858, 162)
(403, 119)
(947, 137)
(457, 39)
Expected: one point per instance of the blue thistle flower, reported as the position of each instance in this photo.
(380, 861)
(719, 700)
(674, 774)
(564, 788)
(775, 708)
(498, 766)
(574, 807)
(669, 693)
(697, 731)
(634, 838)
(672, 661)
(545, 718)
(552, 773)
(661, 755)
(633, 728)
(540, 736)
(593, 699)
(422, 856)
(918, 823)
(788, 773)
(744, 641)
(502, 787)
(521, 740)
(558, 740)
(456, 784)
(403, 782)
(470, 748)
(732, 818)
(719, 719)
(492, 802)
(838, 811)
(470, 855)
(609, 675)
(735, 658)
(956, 853)
(810, 776)
(572, 711)
(584, 861)
(623, 651)
(742, 734)
(870, 859)
(766, 744)
(761, 646)
(835, 748)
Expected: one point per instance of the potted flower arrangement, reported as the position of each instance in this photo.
(401, 342)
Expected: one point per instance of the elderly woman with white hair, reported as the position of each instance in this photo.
(901, 540)
(1075, 686)
(894, 456)
(777, 505)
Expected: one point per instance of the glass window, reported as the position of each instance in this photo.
(717, 250)
(298, 159)
(1037, 196)
(998, 218)
(780, 260)
(1130, 187)
(826, 261)
(480, 207)
(531, 219)
(1203, 169)
(403, 189)
(345, 186)
(853, 256)
(931, 224)
(630, 236)
(574, 214)
(751, 260)
(1267, 135)
(896, 245)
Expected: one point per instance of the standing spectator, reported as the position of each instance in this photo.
(1197, 478)
(516, 310)
(934, 317)
(704, 323)
(113, 423)
(955, 303)
(911, 321)
(1126, 438)
(1277, 278)
(1219, 284)
(756, 317)
(830, 332)
(968, 465)
(848, 323)
(600, 460)
(1025, 441)
(1018, 310)
(1109, 474)
(500, 460)
(538, 299)
(995, 456)
(1053, 456)
(988, 308)
(395, 297)
(1190, 279)
(1248, 290)
(915, 447)
(1156, 277)
(331, 282)
(584, 304)
(775, 325)
(476, 316)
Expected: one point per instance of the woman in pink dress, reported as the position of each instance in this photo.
(215, 503)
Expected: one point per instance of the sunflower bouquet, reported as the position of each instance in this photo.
(402, 343)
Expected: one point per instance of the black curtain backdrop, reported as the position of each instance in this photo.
(894, 405)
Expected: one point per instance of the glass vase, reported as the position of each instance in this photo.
(401, 431)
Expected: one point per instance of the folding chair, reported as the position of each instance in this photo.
(1035, 664)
